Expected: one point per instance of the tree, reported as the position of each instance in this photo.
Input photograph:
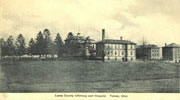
(68, 45)
(59, 45)
(2, 42)
(32, 47)
(70, 35)
(143, 48)
(52, 49)
(144, 41)
(20, 45)
(10, 46)
(47, 42)
(3, 47)
(39, 44)
(89, 48)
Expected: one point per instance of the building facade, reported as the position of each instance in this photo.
(121, 50)
(171, 52)
(149, 52)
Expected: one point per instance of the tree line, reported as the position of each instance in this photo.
(42, 45)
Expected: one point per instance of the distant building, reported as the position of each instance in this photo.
(171, 52)
(79, 46)
(109, 49)
(0, 53)
(1, 43)
(149, 52)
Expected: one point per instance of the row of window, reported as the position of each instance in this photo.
(177, 55)
(177, 52)
(155, 54)
(115, 46)
(123, 59)
(177, 49)
(155, 50)
(112, 53)
(177, 61)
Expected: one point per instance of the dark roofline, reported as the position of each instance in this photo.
(110, 41)
(172, 45)
(149, 46)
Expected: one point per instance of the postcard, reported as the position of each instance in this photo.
(89, 49)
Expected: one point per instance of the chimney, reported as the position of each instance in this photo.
(78, 34)
(103, 34)
(165, 44)
(121, 38)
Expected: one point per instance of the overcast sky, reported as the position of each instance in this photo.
(156, 20)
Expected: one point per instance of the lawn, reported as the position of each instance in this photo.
(89, 76)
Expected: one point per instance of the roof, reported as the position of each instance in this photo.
(173, 45)
(150, 46)
(111, 41)
(80, 39)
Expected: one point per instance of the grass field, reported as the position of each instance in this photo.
(89, 76)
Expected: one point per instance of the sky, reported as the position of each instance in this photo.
(158, 21)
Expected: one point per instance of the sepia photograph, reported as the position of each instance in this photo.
(89, 46)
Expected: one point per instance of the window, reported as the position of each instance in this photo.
(119, 46)
(123, 47)
(112, 46)
(102, 53)
(115, 53)
(131, 46)
(122, 53)
(131, 52)
(108, 53)
(122, 59)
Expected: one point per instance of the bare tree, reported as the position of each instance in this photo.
(143, 48)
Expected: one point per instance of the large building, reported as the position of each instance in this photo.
(0, 53)
(109, 49)
(149, 52)
(79, 46)
(171, 52)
